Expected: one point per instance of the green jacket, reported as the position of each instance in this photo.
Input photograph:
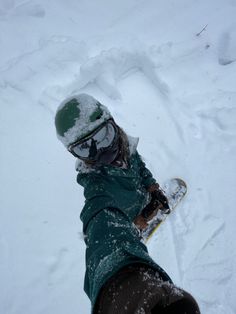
(114, 197)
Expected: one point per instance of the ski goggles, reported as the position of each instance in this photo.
(100, 140)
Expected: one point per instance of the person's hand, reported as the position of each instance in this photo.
(159, 197)
(153, 187)
(140, 222)
(158, 202)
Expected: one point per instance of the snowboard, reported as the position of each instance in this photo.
(175, 190)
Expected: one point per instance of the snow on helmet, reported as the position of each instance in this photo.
(77, 116)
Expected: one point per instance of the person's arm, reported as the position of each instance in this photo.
(112, 242)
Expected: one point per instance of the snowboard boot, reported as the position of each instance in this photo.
(138, 289)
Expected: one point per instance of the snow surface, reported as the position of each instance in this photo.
(167, 72)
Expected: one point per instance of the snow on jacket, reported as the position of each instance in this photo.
(114, 197)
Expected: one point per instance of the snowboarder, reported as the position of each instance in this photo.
(121, 196)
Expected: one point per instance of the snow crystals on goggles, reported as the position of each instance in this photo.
(98, 141)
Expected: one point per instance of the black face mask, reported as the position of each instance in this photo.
(100, 147)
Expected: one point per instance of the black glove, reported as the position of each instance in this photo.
(158, 201)
(159, 197)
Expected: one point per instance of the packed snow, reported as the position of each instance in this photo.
(166, 70)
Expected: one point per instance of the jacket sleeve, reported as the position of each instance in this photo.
(147, 178)
(96, 196)
(112, 243)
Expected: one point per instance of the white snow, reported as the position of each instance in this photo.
(167, 72)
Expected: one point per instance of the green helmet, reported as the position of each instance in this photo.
(78, 116)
